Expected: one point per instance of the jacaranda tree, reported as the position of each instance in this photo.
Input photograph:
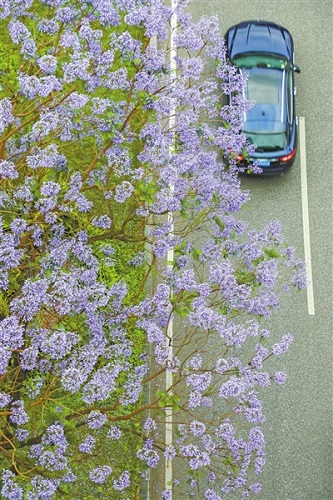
(98, 184)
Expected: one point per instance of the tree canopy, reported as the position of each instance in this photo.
(111, 157)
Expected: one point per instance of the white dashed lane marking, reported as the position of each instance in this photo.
(305, 214)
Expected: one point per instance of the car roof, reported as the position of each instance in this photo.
(259, 36)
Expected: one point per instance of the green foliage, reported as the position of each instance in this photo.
(272, 253)
(183, 303)
(245, 277)
(167, 399)
(146, 191)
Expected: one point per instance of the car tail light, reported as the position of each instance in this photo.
(288, 157)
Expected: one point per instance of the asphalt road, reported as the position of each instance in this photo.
(298, 428)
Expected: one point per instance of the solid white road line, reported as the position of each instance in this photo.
(170, 258)
(305, 214)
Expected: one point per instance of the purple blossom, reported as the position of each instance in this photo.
(255, 487)
(53, 461)
(55, 435)
(43, 489)
(47, 158)
(24, 192)
(47, 64)
(195, 362)
(36, 386)
(138, 259)
(212, 495)
(122, 482)
(149, 424)
(259, 462)
(170, 452)
(6, 117)
(283, 346)
(19, 415)
(114, 433)
(251, 407)
(160, 248)
(58, 344)
(233, 387)
(72, 379)
(18, 226)
(199, 460)
(5, 399)
(18, 31)
(34, 294)
(32, 86)
(148, 455)
(280, 377)
(96, 419)
(10, 490)
(195, 399)
(28, 49)
(103, 222)
(102, 383)
(28, 358)
(48, 26)
(35, 451)
(22, 434)
(193, 483)
(11, 333)
(66, 14)
(197, 428)
(69, 477)
(118, 80)
(8, 170)
(123, 191)
(199, 382)
(100, 474)
(87, 445)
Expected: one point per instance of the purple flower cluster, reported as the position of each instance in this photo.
(6, 117)
(32, 86)
(96, 420)
(87, 445)
(114, 433)
(10, 490)
(148, 455)
(19, 416)
(283, 346)
(122, 482)
(5, 399)
(48, 158)
(100, 474)
(104, 222)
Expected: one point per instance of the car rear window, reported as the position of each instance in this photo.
(260, 61)
(268, 142)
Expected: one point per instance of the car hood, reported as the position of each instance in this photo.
(255, 36)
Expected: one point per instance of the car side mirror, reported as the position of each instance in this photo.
(297, 69)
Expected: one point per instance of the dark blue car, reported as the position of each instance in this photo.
(265, 51)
